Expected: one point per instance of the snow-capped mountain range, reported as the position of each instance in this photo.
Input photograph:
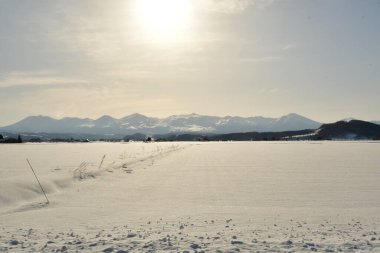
(137, 123)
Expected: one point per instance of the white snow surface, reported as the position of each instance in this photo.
(178, 197)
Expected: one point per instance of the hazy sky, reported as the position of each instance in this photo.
(318, 58)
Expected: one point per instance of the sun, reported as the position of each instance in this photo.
(163, 20)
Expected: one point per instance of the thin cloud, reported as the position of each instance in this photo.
(288, 47)
(269, 91)
(17, 79)
(263, 59)
(233, 6)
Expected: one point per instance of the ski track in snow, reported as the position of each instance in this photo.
(87, 171)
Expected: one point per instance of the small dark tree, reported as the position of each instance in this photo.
(1, 137)
(205, 138)
(19, 140)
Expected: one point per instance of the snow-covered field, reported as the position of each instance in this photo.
(178, 197)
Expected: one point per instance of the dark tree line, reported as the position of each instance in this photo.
(10, 140)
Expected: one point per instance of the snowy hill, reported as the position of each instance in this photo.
(137, 123)
(349, 130)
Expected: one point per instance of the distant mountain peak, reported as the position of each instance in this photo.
(136, 116)
(105, 117)
(293, 115)
(39, 117)
(348, 119)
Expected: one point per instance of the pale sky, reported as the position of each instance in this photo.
(318, 58)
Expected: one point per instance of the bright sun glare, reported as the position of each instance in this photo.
(163, 20)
